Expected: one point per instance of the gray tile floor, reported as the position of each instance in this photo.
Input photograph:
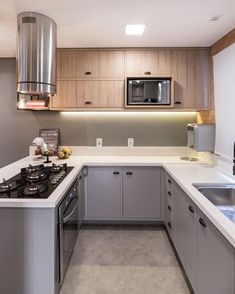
(123, 262)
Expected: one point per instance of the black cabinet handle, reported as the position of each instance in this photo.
(202, 222)
(191, 208)
(178, 102)
(169, 224)
(88, 102)
(87, 73)
(116, 172)
(147, 73)
(169, 181)
(169, 193)
(169, 208)
(129, 173)
(80, 177)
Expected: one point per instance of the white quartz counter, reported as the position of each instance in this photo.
(184, 173)
(78, 162)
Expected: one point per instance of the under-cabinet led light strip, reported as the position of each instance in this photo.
(127, 113)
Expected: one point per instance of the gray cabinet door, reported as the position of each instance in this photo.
(104, 193)
(215, 260)
(183, 222)
(167, 201)
(80, 195)
(142, 192)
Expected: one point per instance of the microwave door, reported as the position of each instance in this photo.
(136, 92)
(150, 92)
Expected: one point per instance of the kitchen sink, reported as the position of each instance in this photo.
(221, 195)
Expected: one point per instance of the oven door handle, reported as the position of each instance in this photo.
(65, 219)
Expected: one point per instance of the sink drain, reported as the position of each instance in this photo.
(188, 158)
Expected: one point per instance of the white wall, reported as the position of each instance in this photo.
(224, 80)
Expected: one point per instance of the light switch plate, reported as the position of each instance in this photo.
(99, 142)
(130, 142)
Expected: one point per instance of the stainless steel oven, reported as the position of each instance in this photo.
(149, 92)
(68, 226)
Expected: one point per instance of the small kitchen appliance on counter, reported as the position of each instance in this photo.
(35, 182)
(201, 137)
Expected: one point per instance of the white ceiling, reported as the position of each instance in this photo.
(101, 23)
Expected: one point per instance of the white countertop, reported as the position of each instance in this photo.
(184, 173)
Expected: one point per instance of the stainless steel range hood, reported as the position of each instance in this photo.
(36, 54)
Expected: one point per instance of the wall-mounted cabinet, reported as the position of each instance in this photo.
(189, 69)
(66, 95)
(82, 94)
(112, 64)
(92, 79)
(88, 64)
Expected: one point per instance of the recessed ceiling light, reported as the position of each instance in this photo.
(135, 29)
(216, 17)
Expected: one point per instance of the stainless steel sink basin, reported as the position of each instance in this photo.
(221, 195)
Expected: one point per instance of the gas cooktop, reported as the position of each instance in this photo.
(35, 182)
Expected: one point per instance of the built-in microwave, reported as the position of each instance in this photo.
(149, 92)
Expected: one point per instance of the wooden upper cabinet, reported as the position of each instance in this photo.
(197, 79)
(66, 95)
(95, 78)
(112, 94)
(66, 63)
(141, 63)
(112, 64)
(179, 73)
(100, 94)
(88, 94)
(88, 64)
(164, 63)
(190, 70)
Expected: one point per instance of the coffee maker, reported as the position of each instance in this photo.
(201, 137)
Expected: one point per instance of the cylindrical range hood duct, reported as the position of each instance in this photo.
(36, 54)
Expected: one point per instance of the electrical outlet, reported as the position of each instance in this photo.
(99, 142)
(130, 142)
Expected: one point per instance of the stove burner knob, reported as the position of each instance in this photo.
(54, 182)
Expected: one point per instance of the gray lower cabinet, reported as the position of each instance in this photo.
(28, 251)
(142, 193)
(123, 193)
(104, 193)
(80, 195)
(215, 260)
(183, 231)
(167, 202)
(207, 257)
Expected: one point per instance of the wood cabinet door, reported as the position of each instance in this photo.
(215, 260)
(164, 63)
(179, 73)
(141, 63)
(66, 63)
(66, 95)
(111, 94)
(104, 193)
(142, 193)
(112, 64)
(88, 64)
(197, 80)
(88, 94)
